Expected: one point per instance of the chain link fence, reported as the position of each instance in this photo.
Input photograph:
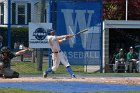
(23, 12)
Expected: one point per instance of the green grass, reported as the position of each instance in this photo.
(25, 67)
(118, 92)
(33, 91)
(30, 68)
(21, 91)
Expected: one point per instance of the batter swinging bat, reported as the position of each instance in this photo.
(82, 31)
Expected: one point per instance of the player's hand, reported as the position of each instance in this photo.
(122, 59)
(29, 49)
(69, 36)
(134, 60)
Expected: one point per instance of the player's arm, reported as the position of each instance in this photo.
(117, 57)
(63, 38)
(60, 39)
(129, 57)
(22, 51)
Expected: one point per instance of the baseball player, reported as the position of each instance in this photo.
(132, 58)
(120, 58)
(57, 54)
(5, 58)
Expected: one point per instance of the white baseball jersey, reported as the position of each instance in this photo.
(55, 45)
(57, 54)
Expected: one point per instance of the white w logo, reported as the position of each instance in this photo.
(78, 18)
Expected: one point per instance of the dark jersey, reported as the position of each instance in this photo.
(6, 61)
(133, 55)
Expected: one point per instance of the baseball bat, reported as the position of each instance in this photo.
(82, 31)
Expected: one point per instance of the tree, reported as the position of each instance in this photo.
(114, 9)
(134, 9)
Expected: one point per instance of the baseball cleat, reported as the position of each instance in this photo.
(73, 76)
(44, 75)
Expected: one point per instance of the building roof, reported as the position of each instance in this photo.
(121, 24)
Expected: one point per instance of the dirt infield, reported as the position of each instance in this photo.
(105, 80)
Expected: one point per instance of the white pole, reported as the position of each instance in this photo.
(126, 12)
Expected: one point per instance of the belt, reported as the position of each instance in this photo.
(57, 51)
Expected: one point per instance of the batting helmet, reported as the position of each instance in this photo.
(49, 31)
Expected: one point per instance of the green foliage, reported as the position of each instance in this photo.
(19, 34)
(114, 9)
(3, 32)
(134, 9)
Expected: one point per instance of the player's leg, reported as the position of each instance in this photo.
(47, 72)
(130, 67)
(1, 69)
(65, 62)
(116, 66)
(138, 66)
(126, 66)
(70, 71)
(56, 62)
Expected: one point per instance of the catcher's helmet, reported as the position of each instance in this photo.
(5, 49)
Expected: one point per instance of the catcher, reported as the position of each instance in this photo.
(57, 53)
(5, 58)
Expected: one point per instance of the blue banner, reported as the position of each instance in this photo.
(72, 17)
